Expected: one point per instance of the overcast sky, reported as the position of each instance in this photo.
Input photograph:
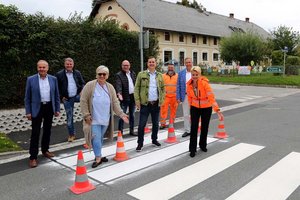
(268, 14)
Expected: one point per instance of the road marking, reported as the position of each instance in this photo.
(120, 169)
(179, 181)
(278, 182)
(111, 150)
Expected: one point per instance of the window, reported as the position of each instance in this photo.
(195, 58)
(167, 56)
(215, 41)
(167, 36)
(181, 37)
(215, 57)
(204, 40)
(109, 8)
(181, 58)
(194, 39)
(204, 56)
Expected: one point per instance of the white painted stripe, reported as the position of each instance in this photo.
(141, 162)
(254, 96)
(240, 100)
(179, 181)
(277, 183)
(110, 150)
(88, 156)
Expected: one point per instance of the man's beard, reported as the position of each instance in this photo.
(170, 73)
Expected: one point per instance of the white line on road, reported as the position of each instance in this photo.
(120, 169)
(179, 181)
(277, 183)
(111, 150)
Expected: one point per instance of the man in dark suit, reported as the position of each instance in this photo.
(41, 103)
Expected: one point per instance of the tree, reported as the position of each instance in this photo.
(285, 37)
(242, 48)
(94, 3)
(194, 4)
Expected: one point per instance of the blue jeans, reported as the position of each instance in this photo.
(98, 132)
(144, 113)
(69, 107)
(124, 105)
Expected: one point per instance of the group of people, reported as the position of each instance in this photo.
(151, 92)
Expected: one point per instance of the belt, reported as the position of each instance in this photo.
(45, 102)
(153, 102)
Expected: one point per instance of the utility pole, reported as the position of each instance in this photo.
(285, 50)
(141, 35)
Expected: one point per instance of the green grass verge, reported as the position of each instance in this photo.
(7, 145)
(263, 79)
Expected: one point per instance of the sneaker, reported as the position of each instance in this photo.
(71, 138)
(156, 143)
(139, 147)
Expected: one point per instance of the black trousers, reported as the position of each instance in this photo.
(145, 111)
(45, 115)
(196, 113)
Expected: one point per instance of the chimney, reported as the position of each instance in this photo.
(231, 15)
(247, 19)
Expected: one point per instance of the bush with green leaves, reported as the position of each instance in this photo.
(25, 39)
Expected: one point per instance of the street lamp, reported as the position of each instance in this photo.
(284, 50)
(141, 35)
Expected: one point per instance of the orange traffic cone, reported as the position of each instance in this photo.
(82, 183)
(121, 154)
(147, 129)
(199, 127)
(171, 134)
(221, 130)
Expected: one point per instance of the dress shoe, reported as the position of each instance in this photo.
(139, 147)
(33, 163)
(192, 154)
(156, 143)
(132, 133)
(203, 149)
(185, 134)
(48, 154)
(162, 127)
(96, 164)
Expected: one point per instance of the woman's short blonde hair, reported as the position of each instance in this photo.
(197, 69)
(102, 69)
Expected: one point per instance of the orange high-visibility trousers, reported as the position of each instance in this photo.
(172, 102)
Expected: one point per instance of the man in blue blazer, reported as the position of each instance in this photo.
(183, 77)
(41, 103)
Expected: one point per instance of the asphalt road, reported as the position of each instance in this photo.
(259, 160)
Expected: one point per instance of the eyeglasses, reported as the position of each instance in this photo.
(101, 74)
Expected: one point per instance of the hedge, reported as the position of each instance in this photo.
(25, 39)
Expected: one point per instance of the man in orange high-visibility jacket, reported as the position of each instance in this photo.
(170, 80)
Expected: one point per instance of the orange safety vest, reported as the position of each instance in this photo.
(170, 84)
(203, 97)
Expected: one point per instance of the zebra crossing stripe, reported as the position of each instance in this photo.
(120, 169)
(276, 183)
(186, 178)
(111, 150)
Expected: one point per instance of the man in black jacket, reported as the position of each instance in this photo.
(70, 84)
(125, 81)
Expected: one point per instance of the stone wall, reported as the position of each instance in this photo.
(15, 120)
